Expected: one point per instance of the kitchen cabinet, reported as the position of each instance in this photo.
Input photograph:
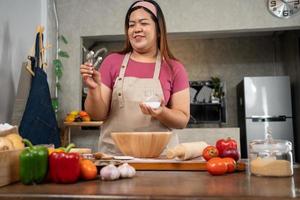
(165, 185)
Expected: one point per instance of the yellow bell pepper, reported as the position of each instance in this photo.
(51, 150)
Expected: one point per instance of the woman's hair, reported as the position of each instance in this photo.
(161, 31)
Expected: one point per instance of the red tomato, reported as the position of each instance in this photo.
(232, 153)
(231, 164)
(83, 114)
(216, 166)
(210, 152)
(225, 144)
(88, 169)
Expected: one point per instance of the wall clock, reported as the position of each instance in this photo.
(283, 8)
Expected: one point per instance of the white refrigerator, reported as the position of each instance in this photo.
(264, 104)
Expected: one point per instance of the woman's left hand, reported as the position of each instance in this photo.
(147, 110)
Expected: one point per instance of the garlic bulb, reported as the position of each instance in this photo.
(126, 170)
(109, 173)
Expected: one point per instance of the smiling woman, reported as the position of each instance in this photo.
(145, 69)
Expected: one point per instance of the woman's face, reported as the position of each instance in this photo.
(142, 31)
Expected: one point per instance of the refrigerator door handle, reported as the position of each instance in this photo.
(280, 118)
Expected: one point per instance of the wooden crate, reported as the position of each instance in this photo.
(9, 167)
(9, 162)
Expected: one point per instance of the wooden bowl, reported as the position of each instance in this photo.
(141, 144)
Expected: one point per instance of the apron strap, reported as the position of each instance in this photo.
(157, 66)
(37, 50)
(121, 78)
(124, 65)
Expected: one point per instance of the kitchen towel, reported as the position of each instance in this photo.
(193, 93)
(204, 94)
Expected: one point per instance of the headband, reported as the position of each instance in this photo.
(148, 5)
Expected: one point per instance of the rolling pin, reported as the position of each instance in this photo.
(185, 151)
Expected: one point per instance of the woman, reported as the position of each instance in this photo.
(144, 69)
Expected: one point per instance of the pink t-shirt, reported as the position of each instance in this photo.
(171, 80)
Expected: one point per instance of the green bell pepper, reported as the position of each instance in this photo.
(33, 163)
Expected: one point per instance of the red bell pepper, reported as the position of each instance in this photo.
(64, 167)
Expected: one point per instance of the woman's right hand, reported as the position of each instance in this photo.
(90, 76)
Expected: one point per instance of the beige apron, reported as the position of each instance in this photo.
(125, 113)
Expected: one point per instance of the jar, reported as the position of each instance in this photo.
(271, 158)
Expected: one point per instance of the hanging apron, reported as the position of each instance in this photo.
(125, 113)
(39, 123)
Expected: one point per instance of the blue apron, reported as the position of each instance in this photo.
(39, 123)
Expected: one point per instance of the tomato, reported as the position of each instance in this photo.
(88, 169)
(223, 144)
(210, 152)
(216, 166)
(83, 114)
(232, 153)
(231, 164)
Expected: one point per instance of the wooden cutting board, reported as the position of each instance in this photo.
(166, 164)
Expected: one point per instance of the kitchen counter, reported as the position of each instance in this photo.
(165, 185)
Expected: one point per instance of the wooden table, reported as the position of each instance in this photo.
(165, 185)
(66, 136)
